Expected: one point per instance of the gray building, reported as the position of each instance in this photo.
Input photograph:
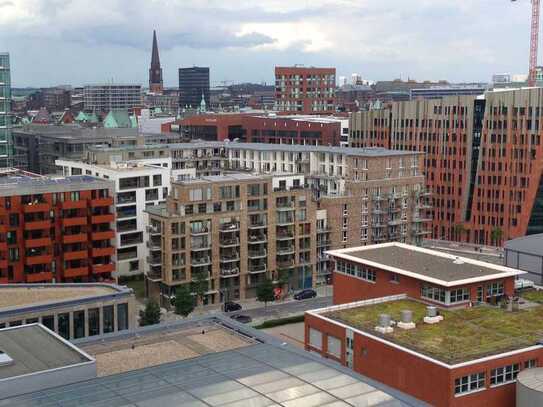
(193, 83)
(106, 97)
(439, 92)
(5, 111)
(526, 253)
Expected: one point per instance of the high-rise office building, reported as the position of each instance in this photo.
(305, 90)
(103, 98)
(155, 71)
(5, 109)
(193, 83)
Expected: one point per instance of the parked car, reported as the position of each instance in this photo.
(244, 319)
(231, 306)
(305, 294)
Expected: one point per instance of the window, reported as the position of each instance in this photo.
(394, 278)
(494, 289)
(122, 317)
(467, 384)
(433, 293)
(529, 364)
(94, 321)
(334, 346)
(157, 180)
(358, 271)
(64, 325)
(79, 324)
(502, 375)
(315, 338)
(48, 321)
(459, 295)
(108, 319)
(196, 194)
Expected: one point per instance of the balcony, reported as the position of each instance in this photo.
(39, 259)
(154, 230)
(37, 207)
(38, 225)
(198, 262)
(154, 245)
(154, 275)
(379, 198)
(75, 221)
(228, 242)
(106, 218)
(154, 260)
(74, 204)
(39, 242)
(285, 221)
(396, 222)
(73, 272)
(45, 276)
(257, 225)
(230, 272)
(103, 235)
(229, 227)
(200, 246)
(102, 251)
(285, 236)
(285, 206)
(324, 229)
(257, 268)
(422, 232)
(257, 239)
(76, 238)
(419, 219)
(285, 264)
(124, 214)
(229, 258)
(256, 254)
(103, 268)
(199, 232)
(75, 255)
(108, 201)
(254, 208)
(285, 250)
(323, 243)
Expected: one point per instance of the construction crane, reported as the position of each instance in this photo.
(534, 39)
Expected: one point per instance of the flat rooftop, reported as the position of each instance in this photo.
(464, 334)
(18, 296)
(424, 264)
(34, 349)
(25, 185)
(161, 345)
(230, 177)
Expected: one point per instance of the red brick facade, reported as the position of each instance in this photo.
(60, 237)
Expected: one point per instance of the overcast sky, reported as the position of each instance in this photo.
(86, 41)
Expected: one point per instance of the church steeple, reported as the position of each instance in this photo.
(155, 72)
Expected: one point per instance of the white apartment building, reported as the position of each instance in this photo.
(138, 185)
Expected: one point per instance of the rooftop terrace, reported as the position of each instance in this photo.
(463, 335)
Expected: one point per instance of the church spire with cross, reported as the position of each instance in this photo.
(155, 71)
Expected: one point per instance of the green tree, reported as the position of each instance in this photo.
(151, 314)
(264, 292)
(496, 235)
(184, 301)
(199, 285)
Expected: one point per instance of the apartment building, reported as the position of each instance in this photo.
(107, 97)
(305, 90)
(137, 186)
(234, 231)
(482, 159)
(5, 111)
(55, 229)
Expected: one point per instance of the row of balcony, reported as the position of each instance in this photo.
(37, 207)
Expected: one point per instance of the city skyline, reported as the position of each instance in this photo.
(379, 41)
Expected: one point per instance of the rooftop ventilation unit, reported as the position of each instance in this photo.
(384, 324)
(458, 260)
(406, 322)
(5, 359)
(431, 315)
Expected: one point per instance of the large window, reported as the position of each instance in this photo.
(506, 374)
(108, 319)
(494, 289)
(48, 321)
(459, 295)
(122, 317)
(469, 383)
(334, 346)
(315, 338)
(361, 272)
(79, 324)
(433, 293)
(64, 325)
(94, 321)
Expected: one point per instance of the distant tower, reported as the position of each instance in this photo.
(155, 72)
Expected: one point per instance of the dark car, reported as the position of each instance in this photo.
(231, 306)
(244, 319)
(305, 294)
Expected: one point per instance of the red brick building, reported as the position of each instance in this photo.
(305, 90)
(483, 159)
(270, 129)
(438, 347)
(56, 229)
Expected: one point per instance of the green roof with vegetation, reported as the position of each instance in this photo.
(464, 334)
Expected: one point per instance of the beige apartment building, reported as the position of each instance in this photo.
(234, 231)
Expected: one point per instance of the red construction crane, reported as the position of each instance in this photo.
(534, 39)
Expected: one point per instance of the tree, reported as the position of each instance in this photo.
(184, 301)
(151, 314)
(199, 285)
(496, 235)
(264, 292)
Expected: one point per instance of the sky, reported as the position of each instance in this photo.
(79, 42)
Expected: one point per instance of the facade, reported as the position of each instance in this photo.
(155, 71)
(106, 97)
(482, 159)
(234, 231)
(193, 86)
(259, 128)
(137, 186)
(56, 229)
(5, 111)
(52, 99)
(305, 90)
(73, 311)
(526, 253)
(449, 347)
(438, 92)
